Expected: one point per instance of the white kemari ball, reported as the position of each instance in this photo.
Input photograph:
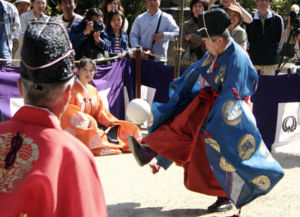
(138, 111)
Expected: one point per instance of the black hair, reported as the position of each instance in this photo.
(104, 8)
(107, 2)
(110, 17)
(84, 61)
(193, 2)
(93, 12)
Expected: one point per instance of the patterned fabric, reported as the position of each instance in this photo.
(27, 155)
(48, 168)
(237, 155)
(85, 112)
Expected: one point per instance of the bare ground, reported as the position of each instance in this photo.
(133, 191)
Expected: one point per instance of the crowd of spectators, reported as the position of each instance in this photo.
(104, 32)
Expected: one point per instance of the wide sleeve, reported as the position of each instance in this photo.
(235, 150)
(103, 116)
(80, 192)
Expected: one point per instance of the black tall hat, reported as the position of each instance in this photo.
(47, 55)
(213, 22)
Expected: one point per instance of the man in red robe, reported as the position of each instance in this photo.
(44, 171)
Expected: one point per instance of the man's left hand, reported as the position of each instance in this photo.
(97, 37)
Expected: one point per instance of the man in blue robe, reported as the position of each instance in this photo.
(207, 126)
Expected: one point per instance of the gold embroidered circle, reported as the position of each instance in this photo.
(187, 74)
(246, 146)
(220, 75)
(232, 113)
(224, 165)
(262, 182)
(207, 60)
(213, 143)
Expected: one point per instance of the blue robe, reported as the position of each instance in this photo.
(237, 155)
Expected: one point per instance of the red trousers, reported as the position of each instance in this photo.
(181, 140)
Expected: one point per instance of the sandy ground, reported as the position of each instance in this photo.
(133, 191)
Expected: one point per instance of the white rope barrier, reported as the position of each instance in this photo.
(171, 59)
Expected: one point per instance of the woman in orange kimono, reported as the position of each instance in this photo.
(88, 120)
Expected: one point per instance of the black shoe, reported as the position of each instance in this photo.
(143, 155)
(222, 204)
(112, 134)
(135, 148)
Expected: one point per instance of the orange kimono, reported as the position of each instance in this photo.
(83, 115)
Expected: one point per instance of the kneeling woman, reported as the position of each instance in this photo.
(88, 120)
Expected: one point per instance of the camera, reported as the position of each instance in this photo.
(288, 49)
(98, 26)
(295, 16)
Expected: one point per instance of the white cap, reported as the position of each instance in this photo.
(27, 1)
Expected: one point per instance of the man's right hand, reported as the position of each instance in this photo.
(89, 28)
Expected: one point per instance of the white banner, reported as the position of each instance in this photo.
(287, 138)
(15, 104)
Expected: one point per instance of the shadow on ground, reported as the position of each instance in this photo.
(133, 210)
(287, 161)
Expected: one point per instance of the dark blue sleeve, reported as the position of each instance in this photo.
(76, 35)
(104, 42)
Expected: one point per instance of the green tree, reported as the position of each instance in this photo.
(281, 7)
(133, 8)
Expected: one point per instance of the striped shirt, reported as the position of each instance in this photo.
(117, 46)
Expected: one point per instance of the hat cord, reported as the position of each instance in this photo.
(48, 64)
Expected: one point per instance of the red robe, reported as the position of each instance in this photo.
(184, 133)
(54, 174)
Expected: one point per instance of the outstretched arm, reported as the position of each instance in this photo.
(211, 3)
(246, 16)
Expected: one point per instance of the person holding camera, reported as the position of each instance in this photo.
(88, 36)
(291, 36)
